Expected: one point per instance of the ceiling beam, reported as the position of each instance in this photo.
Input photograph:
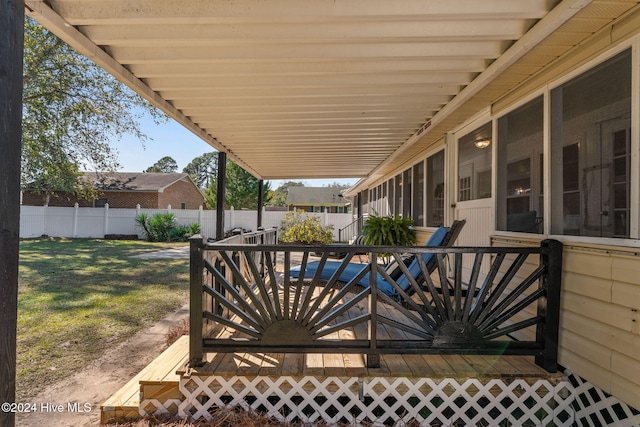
(242, 11)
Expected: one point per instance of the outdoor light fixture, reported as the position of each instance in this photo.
(483, 143)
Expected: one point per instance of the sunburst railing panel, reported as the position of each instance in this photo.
(281, 298)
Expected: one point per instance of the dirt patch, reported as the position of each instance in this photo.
(80, 395)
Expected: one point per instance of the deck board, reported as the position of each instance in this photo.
(408, 365)
(272, 364)
(161, 372)
(292, 364)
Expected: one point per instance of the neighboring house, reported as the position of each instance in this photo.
(318, 199)
(127, 190)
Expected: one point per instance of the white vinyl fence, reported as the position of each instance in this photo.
(36, 221)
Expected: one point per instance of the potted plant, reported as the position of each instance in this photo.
(389, 231)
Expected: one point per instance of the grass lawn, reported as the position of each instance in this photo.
(77, 298)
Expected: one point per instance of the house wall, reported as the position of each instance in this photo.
(174, 195)
(127, 199)
(181, 192)
(124, 199)
(60, 199)
(600, 320)
(308, 208)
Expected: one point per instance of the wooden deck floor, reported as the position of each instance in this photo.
(353, 365)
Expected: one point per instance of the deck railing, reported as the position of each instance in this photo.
(350, 231)
(466, 300)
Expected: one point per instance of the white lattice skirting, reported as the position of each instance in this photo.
(402, 401)
(595, 408)
(390, 401)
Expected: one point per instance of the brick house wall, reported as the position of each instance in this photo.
(116, 199)
(129, 199)
(182, 191)
(59, 199)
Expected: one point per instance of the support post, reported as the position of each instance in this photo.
(11, 51)
(549, 307)
(196, 268)
(360, 213)
(260, 202)
(373, 357)
(222, 183)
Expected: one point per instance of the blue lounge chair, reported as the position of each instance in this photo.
(443, 236)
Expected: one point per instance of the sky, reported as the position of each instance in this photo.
(173, 140)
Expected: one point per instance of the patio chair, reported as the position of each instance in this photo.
(443, 236)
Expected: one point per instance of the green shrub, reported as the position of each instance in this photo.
(163, 228)
(179, 233)
(296, 227)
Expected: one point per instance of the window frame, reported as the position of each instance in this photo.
(501, 198)
(634, 166)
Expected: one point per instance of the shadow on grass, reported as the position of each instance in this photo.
(78, 298)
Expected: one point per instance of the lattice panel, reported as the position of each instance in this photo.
(596, 408)
(150, 407)
(390, 401)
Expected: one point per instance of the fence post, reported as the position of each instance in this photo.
(75, 220)
(231, 218)
(196, 267)
(549, 308)
(106, 219)
(45, 221)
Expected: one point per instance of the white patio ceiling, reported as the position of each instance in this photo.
(317, 88)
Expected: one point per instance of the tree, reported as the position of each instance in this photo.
(165, 165)
(203, 169)
(71, 110)
(336, 184)
(279, 197)
(241, 190)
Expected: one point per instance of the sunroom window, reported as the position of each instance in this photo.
(520, 183)
(418, 194)
(474, 164)
(397, 204)
(590, 143)
(406, 193)
(435, 190)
